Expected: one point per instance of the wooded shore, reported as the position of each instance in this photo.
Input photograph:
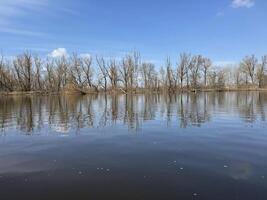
(139, 92)
(30, 74)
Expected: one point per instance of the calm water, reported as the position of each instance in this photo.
(205, 146)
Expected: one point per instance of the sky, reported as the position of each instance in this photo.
(224, 30)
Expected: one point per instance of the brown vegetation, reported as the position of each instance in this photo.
(28, 73)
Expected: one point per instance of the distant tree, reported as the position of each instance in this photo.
(38, 72)
(195, 67)
(76, 72)
(148, 75)
(88, 71)
(183, 66)
(23, 66)
(61, 75)
(237, 77)
(129, 71)
(104, 71)
(162, 78)
(113, 74)
(221, 79)
(32, 73)
(170, 78)
(261, 71)
(6, 77)
(249, 65)
(205, 69)
(212, 78)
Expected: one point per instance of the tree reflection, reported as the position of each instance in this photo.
(61, 114)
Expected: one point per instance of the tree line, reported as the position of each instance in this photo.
(130, 74)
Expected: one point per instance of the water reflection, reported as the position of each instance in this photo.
(61, 114)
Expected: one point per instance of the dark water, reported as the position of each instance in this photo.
(204, 146)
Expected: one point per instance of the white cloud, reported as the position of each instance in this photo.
(242, 3)
(85, 55)
(11, 10)
(16, 31)
(58, 53)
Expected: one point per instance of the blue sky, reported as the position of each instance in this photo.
(224, 30)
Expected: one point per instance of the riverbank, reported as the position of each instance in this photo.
(139, 91)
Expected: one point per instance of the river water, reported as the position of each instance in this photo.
(184, 146)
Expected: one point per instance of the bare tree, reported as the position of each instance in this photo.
(49, 76)
(88, 71)
(61, 73)
(262, 69)
(113, 74)
(212, 77)
(183, 67)
(237, 77)
(221, 79)
(162, 78)
(38, 73)
(31, 73)
(149, 75)
(77, 72)
(206, 66)
(195, 67)
(103, 69)
(170, 79)
(249, 65)
(6, 78)
(129, 71)
(23, 68)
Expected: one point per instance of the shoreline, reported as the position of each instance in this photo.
(118, 92)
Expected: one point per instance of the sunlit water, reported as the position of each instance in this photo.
(189, 146)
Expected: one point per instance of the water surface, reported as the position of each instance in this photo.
(189, 146)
